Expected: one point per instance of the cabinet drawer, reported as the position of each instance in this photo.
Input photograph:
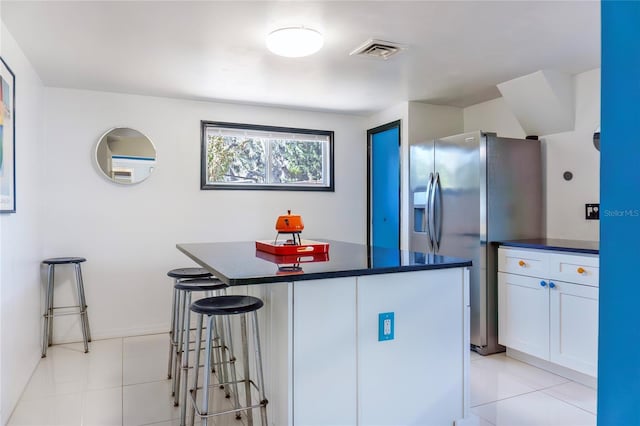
(582, 269)
(532, 263)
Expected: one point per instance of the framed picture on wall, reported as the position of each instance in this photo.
(7, 139)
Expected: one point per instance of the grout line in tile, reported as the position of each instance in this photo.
(527, 393)
(66, 394)
(144, 335)
(547, 387)
(487, 421)
(557, 384)
(524, 379)
(504, 399)
(566, 402)
(479, 416)
(145, 383)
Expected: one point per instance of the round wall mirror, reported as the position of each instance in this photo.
(125, 155)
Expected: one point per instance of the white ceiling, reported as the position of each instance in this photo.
(458, 50)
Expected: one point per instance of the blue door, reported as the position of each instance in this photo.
(384, 186)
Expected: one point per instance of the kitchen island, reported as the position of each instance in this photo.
(326, 357)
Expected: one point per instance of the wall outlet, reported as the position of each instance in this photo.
(592, 211)
(386, 326)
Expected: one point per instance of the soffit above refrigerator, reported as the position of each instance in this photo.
(543, 102)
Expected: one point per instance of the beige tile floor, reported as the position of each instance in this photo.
(119, 382)
(123, 382)
(506, 392)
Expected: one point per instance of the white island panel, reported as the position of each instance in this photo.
(417, 378)
(324, 352)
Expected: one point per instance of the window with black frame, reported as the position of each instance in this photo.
(248, 156)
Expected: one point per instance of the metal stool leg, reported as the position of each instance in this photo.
(219, 348)
(245, 367)
(232, 365)
(172, 343)
(223, 350)
(196, 366)
(207, 376)
(176, 352)
(185, 358)
(85, 332)
(215, 341)
(50, 309)
(47, 311)
(182, 311)
(260, 378)
(83, 300)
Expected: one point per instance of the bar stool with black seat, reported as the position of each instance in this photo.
(185, 288)
(179, 274)
(226, 306)
(47, 329)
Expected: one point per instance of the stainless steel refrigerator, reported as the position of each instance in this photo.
(467, 191)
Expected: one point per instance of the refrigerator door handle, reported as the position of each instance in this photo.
(431, 213)
(437, 227)
(427, 217)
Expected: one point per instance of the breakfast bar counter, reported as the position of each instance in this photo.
(359, 336)
(239, 263)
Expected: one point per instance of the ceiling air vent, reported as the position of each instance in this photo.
(378, 49)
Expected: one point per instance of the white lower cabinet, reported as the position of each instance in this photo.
(523, 307)
(556, 321)
(573, 331)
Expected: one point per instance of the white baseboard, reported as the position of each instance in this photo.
(576, 376)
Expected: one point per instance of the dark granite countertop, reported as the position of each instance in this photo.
(575, 246)
(238, 263)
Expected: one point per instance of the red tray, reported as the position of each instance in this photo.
(284, 259)
(307, 247)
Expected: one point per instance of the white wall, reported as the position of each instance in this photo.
(568, 151)
(21, 236)
(574, 151)
(129, 233)
(492, 116)
(427, 122)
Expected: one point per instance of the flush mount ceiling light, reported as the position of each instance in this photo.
(294, 42)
